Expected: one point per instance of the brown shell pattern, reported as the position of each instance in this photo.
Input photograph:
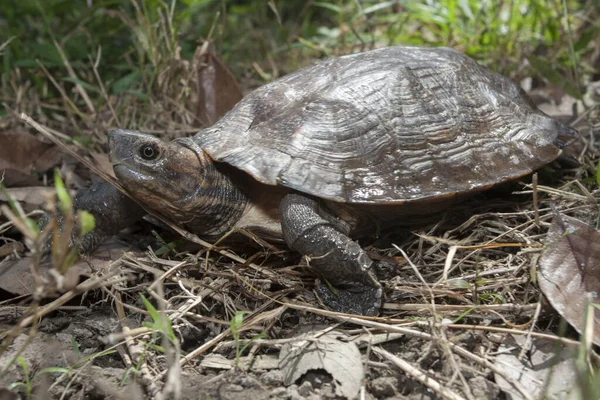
(386, 126)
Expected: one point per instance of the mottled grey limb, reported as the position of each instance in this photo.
(112, 211)
(312, 230)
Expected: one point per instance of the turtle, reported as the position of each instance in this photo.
(319, 157)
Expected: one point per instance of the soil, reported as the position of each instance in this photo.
(73, 342)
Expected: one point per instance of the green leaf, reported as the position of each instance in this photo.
(64, 200)
(18, 210)
(377, 7)
(151, 310)
(46, 52)
(139, 94)
(83, 84)
(126, 82)
(86, 222)
(545, 68)
(84, 140)
(459, 283)
(15, 385)
(158, 321)
(328, 6)
(237, 320)
(75, 346)
(11, 202)
(167, 247)
(72, 256)
(53, 370)
(464, 314)
(585, 39)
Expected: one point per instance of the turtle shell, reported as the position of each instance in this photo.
(386, 126)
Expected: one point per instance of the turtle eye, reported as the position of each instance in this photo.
(149, 152)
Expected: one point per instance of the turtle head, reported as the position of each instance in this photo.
(178, 180)
(163, 176)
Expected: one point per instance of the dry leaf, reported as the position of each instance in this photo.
(258, 363)
(21, 153)
(6, 394)
(16, 275)
(216, 87)
(10, 247)
(341, 359)
(569, 270)
(103, 162)
(546, 369)
(31, 198)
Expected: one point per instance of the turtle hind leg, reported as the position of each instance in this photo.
(314, 232)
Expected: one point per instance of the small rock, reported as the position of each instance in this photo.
(272, 378)
(247, 381)
(384, 386)
(280, 393)
(305, 389)
(293, 393)
(327, 391)
(235, 388)
(64, 337)
(483, 388)
(116, 374)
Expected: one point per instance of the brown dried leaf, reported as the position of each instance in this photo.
(21, 153)
(16, 275)
(216, 87)
(569, 270)
(31, 198)
(103, 162)
(14, 178)
(547, 370)
(341, 359)
(11, 247)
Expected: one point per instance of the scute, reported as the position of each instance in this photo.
(386, 126)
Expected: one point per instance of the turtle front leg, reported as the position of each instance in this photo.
(112, 211)
(313, 231)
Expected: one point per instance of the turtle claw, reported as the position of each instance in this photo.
(359, 299)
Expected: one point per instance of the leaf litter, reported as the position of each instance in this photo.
(22, 155)
(441, 331)
(546, 368)
(323, 350)
(569, 271)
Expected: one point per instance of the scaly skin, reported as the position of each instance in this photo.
(181, 182)
(112, 211)
(311, 229)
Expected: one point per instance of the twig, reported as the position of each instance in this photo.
(418, 375)
(86, 286)
(73, 75)
(454, 307)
